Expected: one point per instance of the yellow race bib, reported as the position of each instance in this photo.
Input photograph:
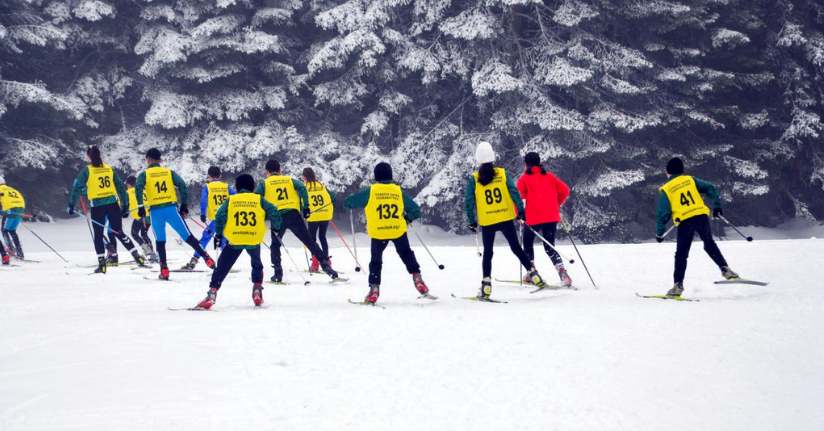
(160, 188)
(384, 212)
(101, 182)
(218, 193)
(11, 198)
(246, 221)
(684, 198)
(133, 202)
(280, 192)
(493, 200)
(320, 203)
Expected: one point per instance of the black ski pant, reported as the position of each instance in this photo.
(228, 258)
(507, 228)
(404, 251)
(547, 230)
(686, 231)
(99, 215)
(317, 231)
(140, 232)
(292, 220)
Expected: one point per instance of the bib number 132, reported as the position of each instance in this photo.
(387, 211)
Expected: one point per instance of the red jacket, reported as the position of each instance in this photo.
(544, 194)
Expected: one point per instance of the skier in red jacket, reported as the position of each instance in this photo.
(544, 193)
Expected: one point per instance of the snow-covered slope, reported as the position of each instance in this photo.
(82, 352)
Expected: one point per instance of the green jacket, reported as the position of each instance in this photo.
(272, 214)
(79, 189)
(469, 198)
(299, 187)
(183, 193)
(665, 209)
(361, 198)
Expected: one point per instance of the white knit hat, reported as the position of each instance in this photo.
(484, 153)
(2, 180)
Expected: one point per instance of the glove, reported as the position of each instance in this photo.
(70, 209)
(521, 216)
(717, 213)
(202, 218)
(218, 241)
(306, 213)
(659, 238)
(141, 212)
(184, 210)
(124, 212)
(473, 227)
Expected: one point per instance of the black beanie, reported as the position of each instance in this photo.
(675, 166)
(532, 159)
(383, 172)
(153, 154)
(245, 182)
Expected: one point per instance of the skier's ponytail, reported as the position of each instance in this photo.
(311, 178)
(532, 159)
(486, 173)
(94, 155)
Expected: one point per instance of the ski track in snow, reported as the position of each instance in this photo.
(103, 352)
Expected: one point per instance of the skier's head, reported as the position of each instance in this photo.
(214, 173)
(531, 160)
(675, 166)
(484, 153)
(2, 180)
(93, 153)
(245, 182)
(131, 181)
(309, 175)
(153, 156)
(272, 167)
(383, 172)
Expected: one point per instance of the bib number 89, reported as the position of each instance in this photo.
(493, 196)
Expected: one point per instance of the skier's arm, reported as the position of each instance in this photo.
(664, 214)
(469, 202)
(79, 184)
(220, 218)
(139, 185)
(204, 199)
(122, 194)
(232, 191)
(302, 193)
(708, 189)
(358, 200)
(332, 196)
(562, 189)
(261, 189)
(177, 180)
(522, 186)
(412, 209)
(272, 213)
(513, 191)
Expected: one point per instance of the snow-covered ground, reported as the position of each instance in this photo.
(82, 352)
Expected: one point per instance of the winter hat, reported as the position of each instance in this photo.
(484, 153)
(383, 172)
(532, 159)
(244, 182)
(153, 154)
(2, 180)
(675, 166)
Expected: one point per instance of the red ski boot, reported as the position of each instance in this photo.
(209, 261)
(164, 272)
(257, 294)
(209, 301)
(5, 259)
(421, 286)
(372, 296)
(315, 266)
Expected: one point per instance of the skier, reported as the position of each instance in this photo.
(214, 193)
(388, 211)
(109, 241)
(241, 221)
(12, 205)
(544, 193)
(494, 194)
(158, 184)
(140, 225)
(289, 196)
(322, 207)
(103, 187)
(680, 200)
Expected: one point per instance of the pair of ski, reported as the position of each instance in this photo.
(281, 283)
(372, 304)
(730, 281)
(539, 289)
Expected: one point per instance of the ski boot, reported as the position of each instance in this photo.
(278, 277)
(486, 289)
(257, 294)
(565, 280)
(329, 271)
(101, 266)
(191, 265)
(372, 296)
(536, 278)
(527, 279)
(17, 248)
(421, 286)
(728, 273)
(209, 300)
(149, 253)
(677, 289)
(111, 257)
(209, 261)
(5, 259)
(138, 259)
(164, 272)
(315, 265)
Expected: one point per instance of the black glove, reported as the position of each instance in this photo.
(218, 241)
(124, 212)
(202, 218)
(717, 213)
(70, 209)
(521, 216)
(473, 227)
(306, 213)
(184, 210)
(659, 238)
(141, 212)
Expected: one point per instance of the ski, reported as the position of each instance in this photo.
(279, 283)
(521, 282)
(475, 298)
(338, 280)
(553, 287)
(189, 309)
(364, 303)
(313, 272)
(742, 281)
(146, 277)
(141, 267)
(428, 296)
(675, 298)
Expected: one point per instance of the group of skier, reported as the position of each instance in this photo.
(236, 216)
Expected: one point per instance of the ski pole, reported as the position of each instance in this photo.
(305, 283)
(98, 223)
(578, 252)
(83, 204)
(17, 214)
(44, 242)
(521, 241)
(354, 241)
(571, 261)
(197, 223)
(675, 223)
(748, 238)
(306, 255)
(347, 245)
(330, 203)
(427, 250)
(477, 245)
